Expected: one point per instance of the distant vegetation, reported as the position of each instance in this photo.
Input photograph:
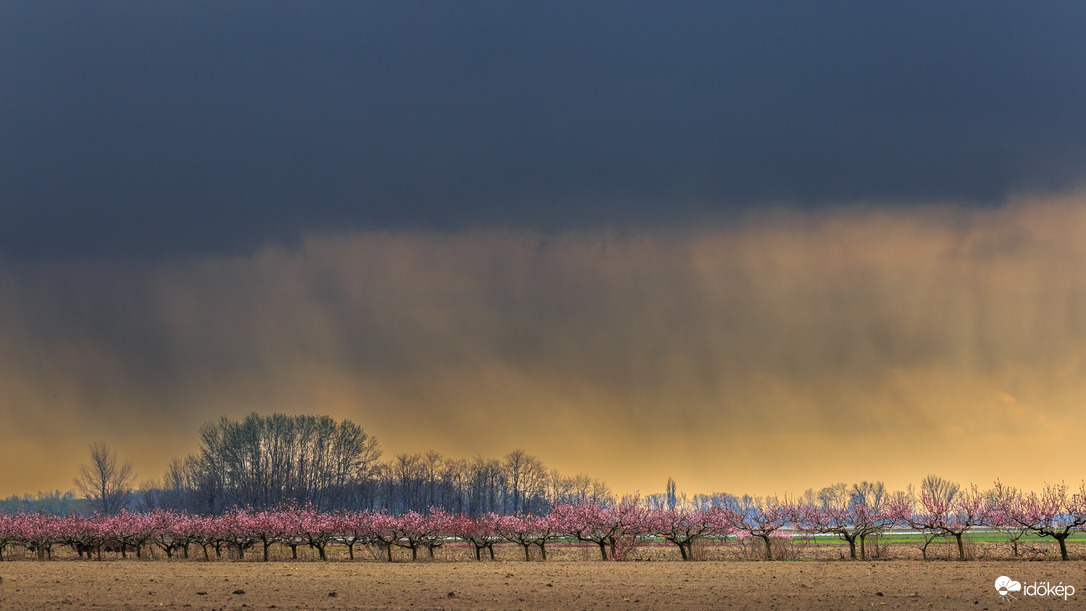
(262, 462)
(282, 478)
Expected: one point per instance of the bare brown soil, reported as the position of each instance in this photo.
(511, 584)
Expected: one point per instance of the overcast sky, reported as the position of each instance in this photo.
(738, 235)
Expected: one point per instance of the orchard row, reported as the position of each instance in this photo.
(854, 515)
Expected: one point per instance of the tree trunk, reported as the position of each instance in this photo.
(961, 546)
(851, 546)
(603, 549)
(388, 547)
(267, 544)
(294, 551)
(927, 542)
(320, 550)
(527, 554)
(490, 546)
(350, 550)
(768, 548)
(1063, 546)
(682, 550)
(542, 549)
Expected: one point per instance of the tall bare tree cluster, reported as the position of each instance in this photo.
(517, 483)
(265, 461)
(105, 481)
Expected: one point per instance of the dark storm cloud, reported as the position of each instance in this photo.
(192, 127)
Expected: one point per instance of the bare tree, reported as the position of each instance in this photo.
(264, 461)
(526, 475)
(942, 490)
(514, 465)
(105, 482)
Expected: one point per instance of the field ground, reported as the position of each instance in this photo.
(903, 584)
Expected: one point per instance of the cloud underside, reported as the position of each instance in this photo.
(786, 350)
(196, 128)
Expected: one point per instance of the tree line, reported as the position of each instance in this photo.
(262, 462)
(267, 463)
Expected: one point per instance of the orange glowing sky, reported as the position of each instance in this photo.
(785, 351)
